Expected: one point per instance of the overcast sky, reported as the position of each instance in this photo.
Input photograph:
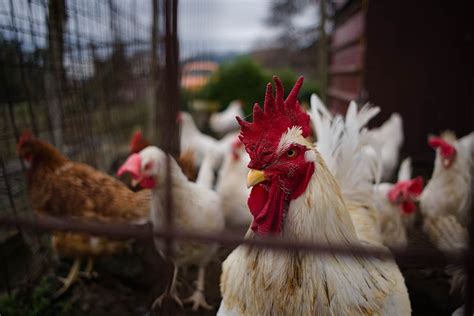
(204, 25)
(223, 25)
(229, 25)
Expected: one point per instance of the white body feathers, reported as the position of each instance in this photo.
(201, 144)
(224, 122)
(389, 137)
(232, 189)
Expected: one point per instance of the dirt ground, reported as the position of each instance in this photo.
(127, 284)
(131, 290)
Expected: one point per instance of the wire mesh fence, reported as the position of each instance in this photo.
(83, 90)
(83, 75)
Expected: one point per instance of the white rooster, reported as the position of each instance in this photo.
(196, 208)
(225, 122)
(390, 137)
(295, 197)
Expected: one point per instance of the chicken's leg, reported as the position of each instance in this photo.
(171, 291)
(197, 298)
(71, 278)
(89, 272)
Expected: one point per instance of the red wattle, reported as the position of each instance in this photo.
(267, 208)
(408, 207)
(268, 203)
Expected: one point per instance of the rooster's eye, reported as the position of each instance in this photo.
(291, 153)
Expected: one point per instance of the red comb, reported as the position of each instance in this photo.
(138, 143)
(25, 136)
(406, 192)
(406, 189)
(277, 116)
(134, 142)
(447, 150)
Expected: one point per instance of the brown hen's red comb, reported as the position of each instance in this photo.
(25, 136)
(277, 115)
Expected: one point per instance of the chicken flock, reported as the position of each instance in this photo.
(272, 178)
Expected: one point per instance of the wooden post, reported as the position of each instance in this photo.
(323, 51)
(55, 77)
(152, 99)
(167, 96)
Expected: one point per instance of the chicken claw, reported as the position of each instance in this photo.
(197, 298)
(71, 278)
(89, 273)
(170, 292)
(159, 301)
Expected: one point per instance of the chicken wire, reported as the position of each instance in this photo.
(87, 102)
(77, 74)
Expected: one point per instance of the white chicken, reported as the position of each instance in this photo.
(191, 138)
(395, 204)
(449, 189)
(225, 122)
(390, 137)
(196, 207)
(446, 200)
(295, 197)
(231, 186)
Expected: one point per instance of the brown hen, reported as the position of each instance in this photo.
(61, 187)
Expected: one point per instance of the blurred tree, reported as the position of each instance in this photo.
(282, 14)
(12, 58)
(55, 80)
(245, 79)
(242, 79)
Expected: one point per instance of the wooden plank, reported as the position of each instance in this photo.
(344, 70)
(337, 106)
(347, 83)
(351, 30)
(349, 56)
(342, 95)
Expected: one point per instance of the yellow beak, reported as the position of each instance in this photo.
(255, 177)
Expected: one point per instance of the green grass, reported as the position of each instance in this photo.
(35, 302)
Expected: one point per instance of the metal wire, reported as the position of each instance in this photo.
(46, 224)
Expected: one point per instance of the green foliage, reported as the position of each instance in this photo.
(39, 301)
(21, 71)
(241, 79)
(245, 79)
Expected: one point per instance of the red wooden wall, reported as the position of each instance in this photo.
(413, 59)
(346, 60)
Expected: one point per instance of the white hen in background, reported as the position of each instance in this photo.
(224, 122)
(232, 188)
(446, 200)
(390, 137)
(191, 138)
(396, 207)
(196, 208)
